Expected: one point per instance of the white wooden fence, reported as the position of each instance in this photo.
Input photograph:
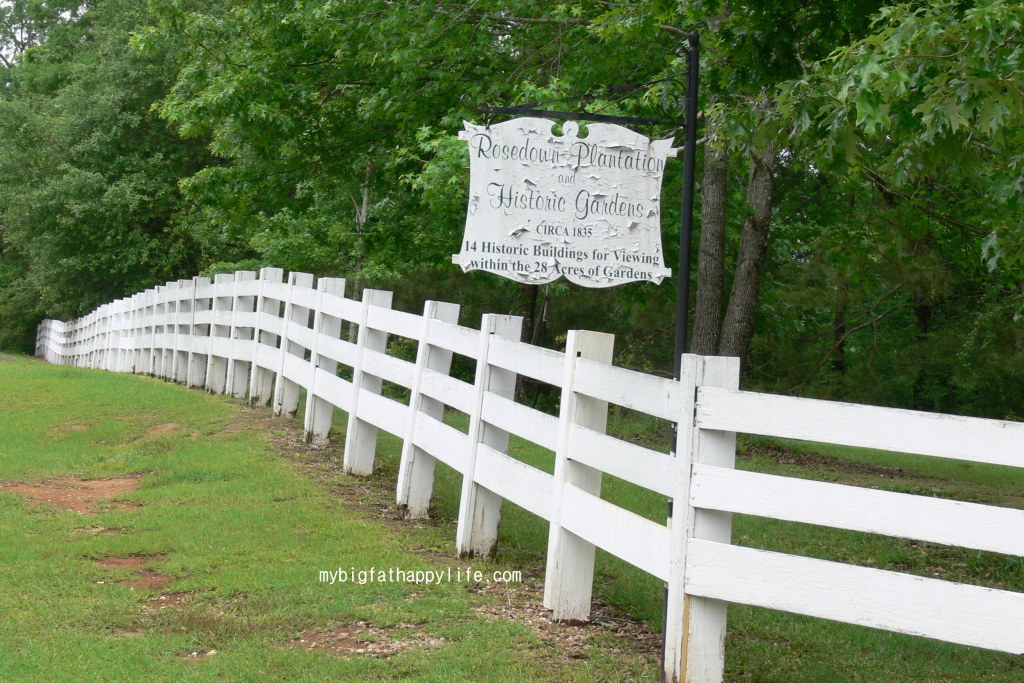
(263, 337)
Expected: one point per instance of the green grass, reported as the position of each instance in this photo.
(245, 533)
(241, 530)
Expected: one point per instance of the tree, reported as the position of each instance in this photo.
(89, 201)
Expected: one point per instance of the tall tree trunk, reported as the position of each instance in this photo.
(839, 326)
(738, 327)
(714, 190)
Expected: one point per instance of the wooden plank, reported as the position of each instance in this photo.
(658, 472)
(953, 612)
(526, 486)
(891, 429)
(245, 319)
(203, 317)
(626, 535)
(334, 389)
(382, 412)
(456, 338)
(340, 307)
(935, 520)
(395, 322)
(338, 350)
(241, 349)
(275, 290)
(222, 346)
(476, 532)
(543, 365)
(222, 317)
(267, 357)
(448, 390)
(271, 324)
(388, 367)
(301, 335)
(637, 391)
(306, 297)
(443, 442)
(247, 287)
(298, 370)
(523, 421)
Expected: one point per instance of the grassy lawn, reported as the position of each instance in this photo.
(241, 534)
(241, 518)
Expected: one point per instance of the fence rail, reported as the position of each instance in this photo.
(266, 338)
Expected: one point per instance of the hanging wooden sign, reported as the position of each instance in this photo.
(544, 206)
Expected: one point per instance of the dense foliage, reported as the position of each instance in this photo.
(861, 168)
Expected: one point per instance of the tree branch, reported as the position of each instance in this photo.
(666, 28)
(883, 186)
(873, 322)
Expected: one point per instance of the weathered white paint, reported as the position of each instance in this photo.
(658, 472)
(923, 518)
(447, 390)
(192, 331)
(519, 483)
(890, 429)
(543, 365)
(954, 612)
(361, 436)
(648, 394)
(569, 577)
(543, 205)
(523, 421)
(480, 508)
(704, 619)
(416, 467)
(319, 412)
(635, 539)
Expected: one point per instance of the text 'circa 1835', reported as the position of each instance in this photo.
(544, 206)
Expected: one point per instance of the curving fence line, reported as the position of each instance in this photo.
(266, 338)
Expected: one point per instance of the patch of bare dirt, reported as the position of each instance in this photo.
(523, 603)
(363, 639)
(130, 562)
(198, 656)
(162, 429)
(65, 429)
(148, 578)
(168, 600)
(785, 456)
(3, 358)
(97, 529)
(73, 493)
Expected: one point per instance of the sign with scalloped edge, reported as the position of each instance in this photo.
(544, 206)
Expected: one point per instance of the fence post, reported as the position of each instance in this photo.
(138, 314)
(179, 367)
(416, 470)
(569, 576)
(261, 384)
(237, 381)
(222, 303)
(197, 361)
(150, 354)
(102, 358)
(319, 415)
(286, 392)
(164, 316)
(695, 627)
(361, 436)
(479, 508)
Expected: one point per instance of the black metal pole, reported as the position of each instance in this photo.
(686, 220)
